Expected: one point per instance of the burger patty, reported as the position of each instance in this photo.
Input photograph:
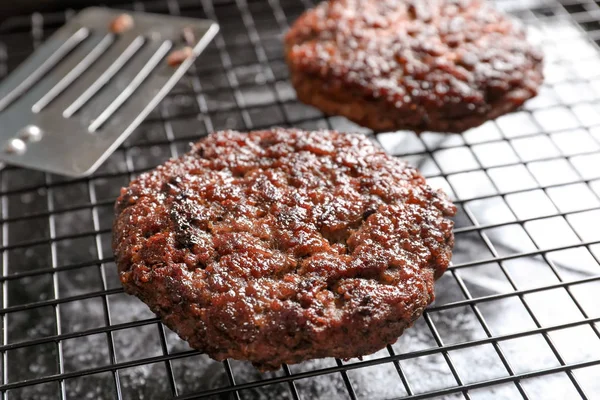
(282, 245)
(436, 65)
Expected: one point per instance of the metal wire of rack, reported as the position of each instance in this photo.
(516, 316)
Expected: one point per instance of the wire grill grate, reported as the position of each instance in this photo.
(516, 316)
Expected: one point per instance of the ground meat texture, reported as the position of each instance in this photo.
(280, 246)
(435, 65)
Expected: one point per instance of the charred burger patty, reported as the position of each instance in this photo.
(281, 245)
(436, 65)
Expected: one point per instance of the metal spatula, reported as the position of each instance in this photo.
(71, 104)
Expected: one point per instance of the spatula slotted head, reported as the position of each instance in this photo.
(79, 96)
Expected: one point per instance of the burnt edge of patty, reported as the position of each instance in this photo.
(338, 296)
(449, 67)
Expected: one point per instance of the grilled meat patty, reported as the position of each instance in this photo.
(282, 245)
(436, 65)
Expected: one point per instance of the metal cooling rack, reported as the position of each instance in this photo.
(516, 316)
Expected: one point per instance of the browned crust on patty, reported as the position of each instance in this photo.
(282, 245)
(440, 65)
